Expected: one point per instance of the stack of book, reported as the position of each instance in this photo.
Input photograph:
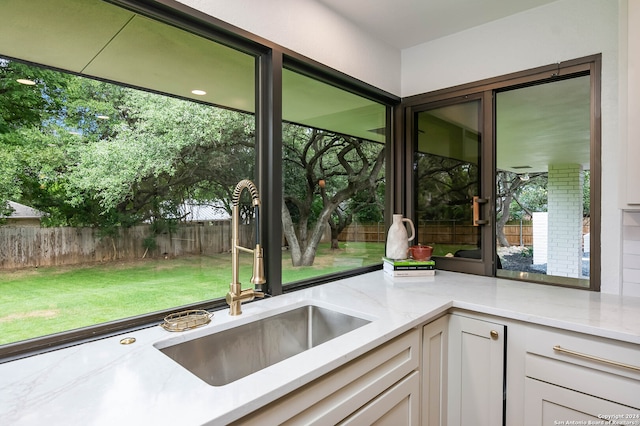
(408, 267)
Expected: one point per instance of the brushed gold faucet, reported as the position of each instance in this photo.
(236, 294)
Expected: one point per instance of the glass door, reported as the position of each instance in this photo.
(503, 175)
(452, 196)
(543, 181)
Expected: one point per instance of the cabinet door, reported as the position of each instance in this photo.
(341, 392)
(547, 404)
(434, 372)
(475, 372)
(399, 405)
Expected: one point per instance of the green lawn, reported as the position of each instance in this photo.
(42, 301)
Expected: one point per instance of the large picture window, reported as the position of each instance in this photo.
(116, 201)
(119, 157)
(334, 178)
(122, 138)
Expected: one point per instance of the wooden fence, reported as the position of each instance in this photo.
(444, 232)
(368, 233)
(22, 247)
(31, 246)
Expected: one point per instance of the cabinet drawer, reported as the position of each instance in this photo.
(399, 405)
(336, 395)
(600, 367)
(547, 404)
(589, 351)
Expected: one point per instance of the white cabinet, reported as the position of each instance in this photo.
(453, 372)
(434, 372)
(380, 387)
(579, 378)
(547, 404)
(398, 405)
(462, 371)
(475, 394)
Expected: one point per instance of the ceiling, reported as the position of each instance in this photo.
(97, 39)
(535, 126)
(545, 124)
(406, 23)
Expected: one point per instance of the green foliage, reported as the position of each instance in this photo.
(586, 193)
(150, 243)
(91, 153)
(25, 152)
(348, 167)
(445, 189)
(59, 155)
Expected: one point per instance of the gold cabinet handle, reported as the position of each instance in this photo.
(494, 334)
(560, 349)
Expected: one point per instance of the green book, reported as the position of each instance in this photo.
(409, 262)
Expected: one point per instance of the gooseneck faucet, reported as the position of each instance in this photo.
(236, 295)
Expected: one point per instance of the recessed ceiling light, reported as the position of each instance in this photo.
(26, 81)
(102, 117)
(198, 92)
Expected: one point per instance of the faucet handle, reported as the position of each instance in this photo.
(258, 294)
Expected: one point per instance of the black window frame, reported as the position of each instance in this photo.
(588, 65)
(270, 60)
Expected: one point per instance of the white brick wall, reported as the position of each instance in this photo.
(565, 220)
(540, 232)
(630, 253)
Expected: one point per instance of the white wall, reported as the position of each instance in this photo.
(564, 189)
(631, 253)
(313, 30)
(563, 30)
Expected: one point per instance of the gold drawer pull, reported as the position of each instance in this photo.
(559, 348)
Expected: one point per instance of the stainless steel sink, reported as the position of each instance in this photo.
(226, 356)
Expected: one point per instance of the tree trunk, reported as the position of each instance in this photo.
(290, 234)
(343, 220)
(303, 252)
(502, 239)
(316, 236)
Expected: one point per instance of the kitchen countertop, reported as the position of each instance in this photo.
(106, 383)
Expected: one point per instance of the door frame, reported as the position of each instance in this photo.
(485, 265)
(404, 152)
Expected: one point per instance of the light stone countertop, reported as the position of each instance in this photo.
(106, 383)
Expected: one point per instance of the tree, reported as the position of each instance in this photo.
(163, 152)
(366, 206)
(24, 109)
(346, 165)
(97, 154)
(510, 188)
(91, 153)
(446, 187)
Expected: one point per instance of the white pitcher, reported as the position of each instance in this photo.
(397, 239)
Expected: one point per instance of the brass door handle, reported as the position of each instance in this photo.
(494, 334)
(476, 211)
(560, 349)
